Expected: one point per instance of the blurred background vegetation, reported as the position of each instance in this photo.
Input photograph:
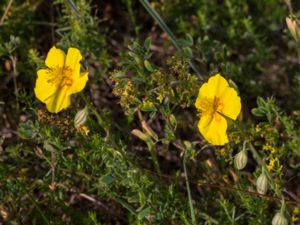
(141, 143)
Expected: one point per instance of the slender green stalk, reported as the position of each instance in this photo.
(154, 158)
(74, 7)
(38, 209)
(262, 163)
(14, 74)
(124, 204)
(92, 109)
(189, 193)
(166, 29)
(298, 52)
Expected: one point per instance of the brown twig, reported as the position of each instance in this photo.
(95, 201)
(5, 12)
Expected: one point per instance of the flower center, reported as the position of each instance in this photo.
(60, 77)
(211, 105)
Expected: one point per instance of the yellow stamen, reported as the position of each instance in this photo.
(211, 106)
(60, 77)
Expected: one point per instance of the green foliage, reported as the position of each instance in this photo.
(148, 86)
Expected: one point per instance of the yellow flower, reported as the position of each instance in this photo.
(271, 165)
(84, 130)
(216, 101)
(55, 84)
(269, 148)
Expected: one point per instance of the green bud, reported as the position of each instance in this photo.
(173, 120)
(279, 219)
(241, 159)
(148, 66)
(262, 184)
(80, 117)
(188, 144)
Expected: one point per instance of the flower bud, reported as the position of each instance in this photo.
(240, 160)
(279, 219)
(80, 117)
(173, 120)
(4, 214)
(262, 184)
(148, 66)
(293, 28)
(149, 131)
(141, 135)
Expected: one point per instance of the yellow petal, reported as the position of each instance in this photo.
(213, 128)
(231, 103)
(55, 58)
(79, 83)
(59, 100)
(43, 89)
(73, 62)
(213, 88)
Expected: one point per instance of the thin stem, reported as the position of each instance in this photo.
(14, 65)
(38, 208)
(74, 7)
(289, 5)
(5, 12)
(53, 165)
(261, 162)
(92, 109)
(166, 29)
(154, 158)
(298, 52)
(282, 209)
(189, 192)
(52, 21)
(265, 169)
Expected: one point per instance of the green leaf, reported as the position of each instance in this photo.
(106, 179)
(147, 43)
(258, 112)
(144, 213)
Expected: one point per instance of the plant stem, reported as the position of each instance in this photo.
(189, 192)
(74, 7)
(14, 75)
(92, 109)
(298, 52)
(43, 216)
(154, 158)
(262, 163)
(166, 29)
(5, 12)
